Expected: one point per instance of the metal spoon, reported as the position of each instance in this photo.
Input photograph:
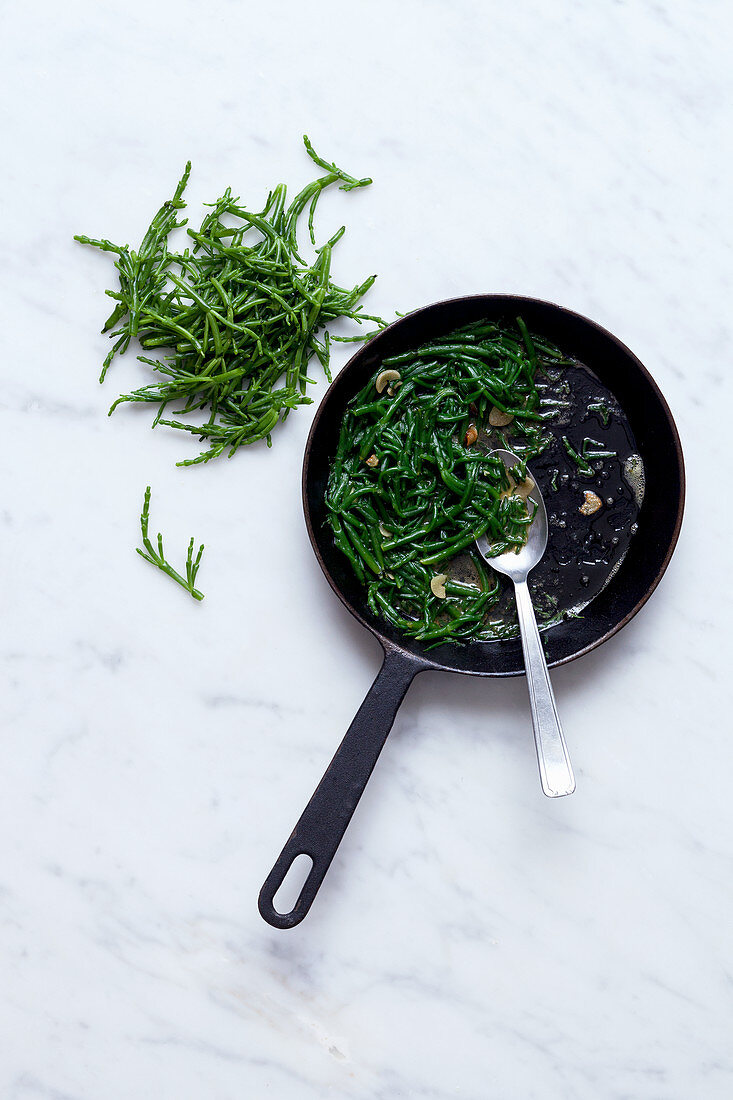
(556, 774)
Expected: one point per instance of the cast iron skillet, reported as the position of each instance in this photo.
(325, 818)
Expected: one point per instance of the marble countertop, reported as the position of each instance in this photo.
(473, 938)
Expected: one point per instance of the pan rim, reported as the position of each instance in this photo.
(389, 645)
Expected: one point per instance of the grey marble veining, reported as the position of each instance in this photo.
(472, 939)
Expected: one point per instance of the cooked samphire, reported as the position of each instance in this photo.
(412, 484)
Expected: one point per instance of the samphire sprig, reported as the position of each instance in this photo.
(236, 317)
(412, 487)
(157, 556)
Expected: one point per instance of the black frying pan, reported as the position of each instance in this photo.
(325, 818)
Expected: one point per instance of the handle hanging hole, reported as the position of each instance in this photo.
(291, 886)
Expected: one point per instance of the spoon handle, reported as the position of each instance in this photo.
(556, 773)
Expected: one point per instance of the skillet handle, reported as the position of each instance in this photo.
(325, 818)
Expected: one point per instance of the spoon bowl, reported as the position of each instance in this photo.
(519, 563)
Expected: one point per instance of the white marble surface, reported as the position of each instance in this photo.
(473, 939)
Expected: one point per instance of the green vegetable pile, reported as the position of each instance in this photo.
(236, 315)
(411, 487)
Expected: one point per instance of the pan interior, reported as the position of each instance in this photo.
(656, 439)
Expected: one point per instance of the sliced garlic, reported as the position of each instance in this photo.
(471, 435)
(591, 504)
(372, 461)
(499, 419)
(385, 377)
(437, 585)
